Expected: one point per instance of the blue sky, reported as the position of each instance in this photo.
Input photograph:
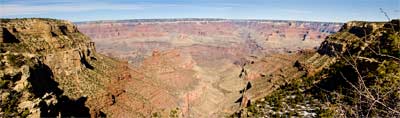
(309, 10)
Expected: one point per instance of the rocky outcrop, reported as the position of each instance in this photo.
(350, 32)
(36, 54)
(48, 68)
(58, 44)
(360, 58)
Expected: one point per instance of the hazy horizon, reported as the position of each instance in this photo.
(303, 10)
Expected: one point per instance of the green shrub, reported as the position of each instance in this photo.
(4, 83)
(174, 113)
(16, 60)
(25, 113)
(325, 113)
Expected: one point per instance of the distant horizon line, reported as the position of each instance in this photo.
(204, 19)
(189, 19)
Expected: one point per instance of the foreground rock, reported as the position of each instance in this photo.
(48, 68)
(358, 76)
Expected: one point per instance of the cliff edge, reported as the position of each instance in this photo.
(362, 77)
(48, 68)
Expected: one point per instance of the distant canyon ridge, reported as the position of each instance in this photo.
(136, 39)
(200, 66)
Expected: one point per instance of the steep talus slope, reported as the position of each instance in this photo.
(355, 73)
(269, 73)
(48, 68)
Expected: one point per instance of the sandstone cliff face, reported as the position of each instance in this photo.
(36, 54)
(48, 68)
(349, 33)
(57, 44)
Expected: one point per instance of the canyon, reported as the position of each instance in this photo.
(204, 67)
(198, 68)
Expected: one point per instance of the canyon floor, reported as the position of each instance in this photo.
(205, 67)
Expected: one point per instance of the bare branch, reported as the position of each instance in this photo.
(386, 15)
